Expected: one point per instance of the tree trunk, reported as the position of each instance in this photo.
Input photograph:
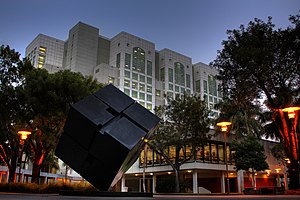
(12, 168)
(253, 180)
(35, 173)
(177, 182)
(293, 172)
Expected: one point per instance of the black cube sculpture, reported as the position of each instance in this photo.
(104, 135)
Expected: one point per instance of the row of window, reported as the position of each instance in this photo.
(213, 152)
(137, 77)
(138, 61)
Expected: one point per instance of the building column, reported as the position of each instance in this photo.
(123, 186)
(240, 180)
(154, 183)
(195, 181)
(223, 181)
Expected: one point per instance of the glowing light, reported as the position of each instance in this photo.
(291, 111)
(224, 126)
(24, 134)
(268, 172)
(277, 170)
(189, 171)
(169, 172)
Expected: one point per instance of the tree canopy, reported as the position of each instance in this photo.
(259, 62)
(185, 125)
(249, 156)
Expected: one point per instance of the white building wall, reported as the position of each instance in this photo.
(50, 59)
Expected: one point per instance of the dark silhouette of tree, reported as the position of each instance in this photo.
(259, 62)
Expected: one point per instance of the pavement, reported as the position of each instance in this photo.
(18, 196)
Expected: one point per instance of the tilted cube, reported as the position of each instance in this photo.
(103, 136)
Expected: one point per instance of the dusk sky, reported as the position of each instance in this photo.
(195, 28)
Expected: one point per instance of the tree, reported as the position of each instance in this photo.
(185, 125)
(258, 62)
(46, 99)
(12, 71)
(249, 156)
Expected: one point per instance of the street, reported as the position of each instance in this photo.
(17, 196)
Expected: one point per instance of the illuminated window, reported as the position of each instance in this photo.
(42, 50)
(149, 89)
(157, 93)
(142, 87)
(126, 83)
(149, 106)
(134, 85)
(127, 60)
(111, 80)
(179, 73)
(138, 61)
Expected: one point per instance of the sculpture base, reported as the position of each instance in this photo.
(105, 194)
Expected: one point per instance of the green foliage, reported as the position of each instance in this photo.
(249, 155)
(258, 61)
(12, 71)
(185, 124)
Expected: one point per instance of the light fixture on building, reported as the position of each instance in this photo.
(268, 172)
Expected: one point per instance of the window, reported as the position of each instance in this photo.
(170, 86)
(134, 76)
(118, 61)
(111, 80)
(149, 68)
(126, 83)
(142, 87)
(188, 80)
(127, 91)
(149, 80)
(149, 89)
(170, 73)
(179, 73)
(127, 60)
(149, 97)
(42, 50)
(134, 85)
(197, 86)
(221, 153)
(149, 106)
(205, 86)
(142, 96)
(138, 62)
(127, 74)
(142, 78)
(176, 88)
(212, 84)
(134, 94)
(162, 74)
(157, 93)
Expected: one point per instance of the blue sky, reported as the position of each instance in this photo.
(195, 28)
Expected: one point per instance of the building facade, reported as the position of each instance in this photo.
(151, 77)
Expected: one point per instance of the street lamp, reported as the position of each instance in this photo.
(224, 128)
(291, 111)
(23, 135)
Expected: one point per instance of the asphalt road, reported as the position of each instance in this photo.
(12, 196)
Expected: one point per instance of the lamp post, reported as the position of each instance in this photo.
(224, 128)
(23, 136)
